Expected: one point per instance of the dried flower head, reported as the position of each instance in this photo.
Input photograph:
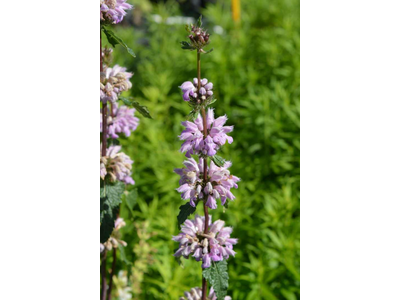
(117, 165)
(113, 81)
(198, 36)
(115, 238)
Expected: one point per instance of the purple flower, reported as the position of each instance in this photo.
(113, 81)
(216, 245)
(196, 294)
(190, 89)
(220, 181)
(123, 121)
(192, 135)
(219, 185)
(190, 182)
(117, 165)
(113, 11)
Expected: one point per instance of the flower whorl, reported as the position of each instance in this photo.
(192, 135)
(215, 245)
(123, 121)
(113, 81)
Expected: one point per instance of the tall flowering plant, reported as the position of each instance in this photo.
(116, 121)
(205, 178)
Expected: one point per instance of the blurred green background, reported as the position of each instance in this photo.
(255, 68)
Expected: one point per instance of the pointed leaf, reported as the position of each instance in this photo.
(115, 40)
(185, 211)
(200, 21)
(140, 108)
(187, 46)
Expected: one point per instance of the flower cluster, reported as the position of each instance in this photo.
(115, 238)
(215, 245)
(190, 91)
(218, 185)
(114, 81)
(113, 11)
(194, 141)
(191, 180)
(198, 37)
(122, 120)
(117, 165)
(196, 293)
(204, 136)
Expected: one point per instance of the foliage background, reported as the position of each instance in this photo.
(255, 68)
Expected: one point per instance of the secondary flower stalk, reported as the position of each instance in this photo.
(200, 238)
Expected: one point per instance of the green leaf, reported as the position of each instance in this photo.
(193, 115)
(179, 260)
(140, 108)
(131, 198)
(218, 277)
(185, 211)
(226, 206)
(110, 199)
(123, 256)
(218, 160)
(187, 46)
(199, 21)
(115, 40)
(212, 101)
(206, 52)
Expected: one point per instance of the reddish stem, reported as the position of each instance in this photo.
(103, 276)
(112, 274)
(104, 135)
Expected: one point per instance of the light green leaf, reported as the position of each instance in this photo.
(123, 256)
(131, 198)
